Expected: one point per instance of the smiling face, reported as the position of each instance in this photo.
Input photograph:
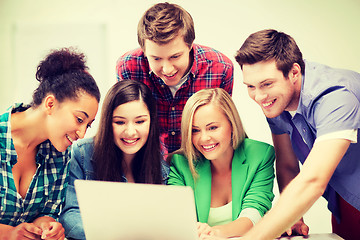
(170, 61)
(268, 87)
(211, 133)
(131, 125)
(69, 120)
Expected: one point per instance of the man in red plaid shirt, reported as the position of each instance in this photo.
(172, 66)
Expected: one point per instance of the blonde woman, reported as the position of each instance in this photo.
(231, 175)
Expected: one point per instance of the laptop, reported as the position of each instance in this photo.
(129, 211)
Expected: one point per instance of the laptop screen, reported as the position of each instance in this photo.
(129, 211)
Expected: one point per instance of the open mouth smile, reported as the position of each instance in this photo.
(170, 76)
(130, 141)
(70, 139)
(268, 104)
(209, 148)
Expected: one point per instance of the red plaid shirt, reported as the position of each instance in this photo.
(210, 69)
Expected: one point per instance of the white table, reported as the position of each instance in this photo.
(320, 236)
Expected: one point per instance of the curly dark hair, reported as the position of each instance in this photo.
(64, 74)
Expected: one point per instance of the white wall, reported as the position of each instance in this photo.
(326, 31)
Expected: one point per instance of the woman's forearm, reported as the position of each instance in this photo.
(236, 228)
(4, 231)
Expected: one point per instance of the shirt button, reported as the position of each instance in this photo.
(173, 108)
(173, 133)
(162, 86)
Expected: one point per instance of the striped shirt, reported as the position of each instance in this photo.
(46, 192)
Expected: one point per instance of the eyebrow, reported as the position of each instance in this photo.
(268, 79)
(211, 123)
(178, 53)
(206, 124)
(140, 116)
(86, 115)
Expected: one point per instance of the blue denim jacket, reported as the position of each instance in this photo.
(81, 167)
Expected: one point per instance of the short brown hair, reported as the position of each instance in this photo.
(270, 44)
(163, 22)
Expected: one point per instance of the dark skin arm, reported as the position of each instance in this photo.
(21, 231)
(51, 229)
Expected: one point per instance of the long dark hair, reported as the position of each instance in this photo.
(146, 166)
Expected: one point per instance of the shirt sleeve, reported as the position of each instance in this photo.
(336, 111)
(122, 69)
(250, 213)
(164, 171)
(132, 65)
(228, 79)
(344, 134)
(260, 191)
(175, 175)
(70, 216)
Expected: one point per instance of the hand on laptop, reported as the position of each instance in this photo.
(208, 237)
(204, 229)
(207, 232)
(298, 229)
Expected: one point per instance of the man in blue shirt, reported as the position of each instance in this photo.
(314, 115)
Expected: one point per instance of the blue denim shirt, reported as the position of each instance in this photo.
(81, 167)
(329, 102)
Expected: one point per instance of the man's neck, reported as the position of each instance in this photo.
(293, 105)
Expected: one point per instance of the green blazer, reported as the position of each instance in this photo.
(252, 179)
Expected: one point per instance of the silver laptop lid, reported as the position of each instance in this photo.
(129, 211)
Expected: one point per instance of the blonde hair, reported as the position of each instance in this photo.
(220, 98)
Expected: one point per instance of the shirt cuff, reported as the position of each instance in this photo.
(344, 134)
(250, 213)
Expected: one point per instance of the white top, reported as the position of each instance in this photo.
(173, 89)
(220, 215)
(223, 215)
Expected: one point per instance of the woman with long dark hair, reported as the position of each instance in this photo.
(126, 148)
